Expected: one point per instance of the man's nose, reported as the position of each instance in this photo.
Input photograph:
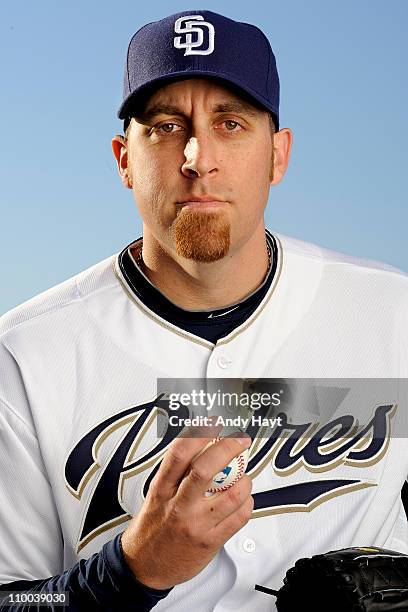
(200, 157)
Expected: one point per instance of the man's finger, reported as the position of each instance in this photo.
(235, 521)
(177, 459)
(220, 505)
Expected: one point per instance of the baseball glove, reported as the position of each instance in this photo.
(347, 580)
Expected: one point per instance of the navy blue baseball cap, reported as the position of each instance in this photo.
(200, 43)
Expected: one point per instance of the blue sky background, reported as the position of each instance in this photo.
(343, 70)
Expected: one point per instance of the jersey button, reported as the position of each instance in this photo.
(248, 545)
(224, 362)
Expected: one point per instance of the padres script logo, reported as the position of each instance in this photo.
(194, 24)
(290, 446)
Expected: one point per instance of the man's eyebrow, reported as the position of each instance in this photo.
(221, 107)
(235, 107)
(161, 109)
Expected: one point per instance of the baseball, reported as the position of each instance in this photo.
(231, 473)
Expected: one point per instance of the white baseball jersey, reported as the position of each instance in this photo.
(79, 367)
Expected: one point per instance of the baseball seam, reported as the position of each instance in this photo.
(241, 468)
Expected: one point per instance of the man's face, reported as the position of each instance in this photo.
(198, 141)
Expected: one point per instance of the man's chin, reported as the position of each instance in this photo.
(201, 236)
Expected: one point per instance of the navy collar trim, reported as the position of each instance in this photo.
(156, 301)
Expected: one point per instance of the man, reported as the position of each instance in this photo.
(206, 293)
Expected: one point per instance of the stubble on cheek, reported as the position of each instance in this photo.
(201, 236)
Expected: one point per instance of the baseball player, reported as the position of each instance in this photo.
(95, 504)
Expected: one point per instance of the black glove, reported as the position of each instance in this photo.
(347, 580)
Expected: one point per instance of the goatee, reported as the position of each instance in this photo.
(201, 236)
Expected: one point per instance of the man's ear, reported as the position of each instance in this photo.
(120, 151)
(282, 144)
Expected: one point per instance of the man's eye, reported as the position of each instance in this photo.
(167, 128)
(232, 125)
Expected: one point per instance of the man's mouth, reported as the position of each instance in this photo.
(202, 201)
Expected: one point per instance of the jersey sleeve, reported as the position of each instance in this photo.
(31, 550)
(103, 582)
(30, 531)
(29, 527)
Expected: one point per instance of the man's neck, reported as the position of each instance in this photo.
(207, 286)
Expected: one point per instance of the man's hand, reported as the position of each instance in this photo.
(178, 530)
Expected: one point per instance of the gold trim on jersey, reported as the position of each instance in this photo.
(263, 305)
(349, 488)
(155, 317)
(184, 334)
